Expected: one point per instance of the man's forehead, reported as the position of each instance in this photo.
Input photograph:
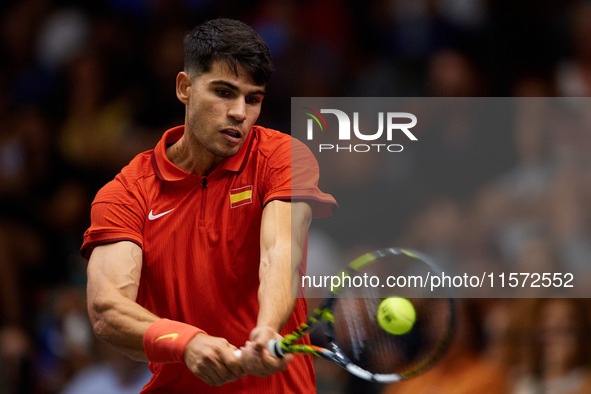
(221, 70)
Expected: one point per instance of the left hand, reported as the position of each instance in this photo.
(256, 359)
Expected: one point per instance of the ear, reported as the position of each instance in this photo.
(183, 84)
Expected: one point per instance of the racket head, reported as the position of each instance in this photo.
(354, 337)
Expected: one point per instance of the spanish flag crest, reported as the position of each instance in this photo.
(240, 196)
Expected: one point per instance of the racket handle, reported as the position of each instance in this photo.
(272, 346)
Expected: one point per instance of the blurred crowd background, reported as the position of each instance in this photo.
(84, 86)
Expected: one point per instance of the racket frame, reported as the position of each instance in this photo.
(324, 314)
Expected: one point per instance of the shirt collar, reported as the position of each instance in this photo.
(167, 171)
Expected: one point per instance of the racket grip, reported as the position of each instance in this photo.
(272, 346)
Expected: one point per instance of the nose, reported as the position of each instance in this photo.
(237, 109)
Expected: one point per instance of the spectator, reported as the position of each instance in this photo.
(556, 358)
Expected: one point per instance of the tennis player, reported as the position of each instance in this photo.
(193, 246)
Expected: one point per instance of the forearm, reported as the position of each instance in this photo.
(275, 290)
(284, 233)
(122, 323)
(128, 327)
(113, 281)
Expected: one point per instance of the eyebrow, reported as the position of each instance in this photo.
(234, 87)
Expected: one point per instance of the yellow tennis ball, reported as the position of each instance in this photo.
(396, 315)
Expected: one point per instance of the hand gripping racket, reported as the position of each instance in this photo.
(354, 338)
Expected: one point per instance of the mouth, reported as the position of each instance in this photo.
(232, 134)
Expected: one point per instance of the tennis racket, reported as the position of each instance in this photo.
(353, 337)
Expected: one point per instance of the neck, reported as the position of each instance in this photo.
(192, 157)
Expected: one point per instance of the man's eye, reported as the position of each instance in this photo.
(252, 100)
(222, 93)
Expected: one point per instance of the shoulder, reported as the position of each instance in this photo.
(279, 147)
(268, 140)
(129, 181)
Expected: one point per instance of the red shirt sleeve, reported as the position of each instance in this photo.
(292, 173)
(117, 214)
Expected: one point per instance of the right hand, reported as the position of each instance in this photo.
(256, 359)
(212, 360)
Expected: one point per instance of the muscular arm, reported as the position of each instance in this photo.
(114, 272)
(284, 230)
(113, 279)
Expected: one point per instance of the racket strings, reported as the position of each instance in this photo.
(367, 345)
(358, 334)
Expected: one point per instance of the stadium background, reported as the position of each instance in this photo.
(83, 88)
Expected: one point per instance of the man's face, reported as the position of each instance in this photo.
(222, 107)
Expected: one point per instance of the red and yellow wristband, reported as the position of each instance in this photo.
(165, 341)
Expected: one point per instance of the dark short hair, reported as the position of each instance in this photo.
(231, 41)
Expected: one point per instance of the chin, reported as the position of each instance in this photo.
(232, 151)
(226, 153)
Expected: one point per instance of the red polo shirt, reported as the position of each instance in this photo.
(200, 238)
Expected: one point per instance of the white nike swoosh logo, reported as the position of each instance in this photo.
(154, 217)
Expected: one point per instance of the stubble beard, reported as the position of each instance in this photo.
(220, 149)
